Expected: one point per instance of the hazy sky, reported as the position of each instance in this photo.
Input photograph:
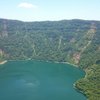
(40, 10)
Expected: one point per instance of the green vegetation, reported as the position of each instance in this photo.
(90, 85)
(73, 41)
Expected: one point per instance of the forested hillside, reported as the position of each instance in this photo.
(73, 41)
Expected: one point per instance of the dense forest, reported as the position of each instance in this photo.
(74, 41)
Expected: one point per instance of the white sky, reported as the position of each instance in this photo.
(40, 10)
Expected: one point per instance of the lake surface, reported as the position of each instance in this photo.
(38, 80)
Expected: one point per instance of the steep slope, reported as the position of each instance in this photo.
(57, 41)
(73, 41)
(90, 61)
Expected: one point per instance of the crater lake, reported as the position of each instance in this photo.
(39, 80)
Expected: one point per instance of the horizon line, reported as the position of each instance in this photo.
(48, 20)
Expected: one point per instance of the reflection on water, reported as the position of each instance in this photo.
(27, 83)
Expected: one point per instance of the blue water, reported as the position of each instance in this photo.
(38, 80)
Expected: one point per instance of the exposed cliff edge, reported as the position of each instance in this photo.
(3, 62)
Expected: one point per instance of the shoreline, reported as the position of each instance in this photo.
(3, 62)
(48, 61)
(69, 64)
